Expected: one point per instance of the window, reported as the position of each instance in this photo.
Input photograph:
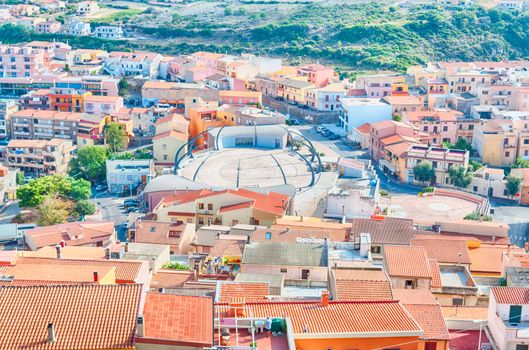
(409, 284)
(305, 274)
(200, 221)
(200, 205)
(526, 142)
(457, 302)
(430, 345)
(283, 270)
(174, 234)
(475, 188)
(507, 154)
(445, 128)
(152, 229)
(376, 249)
(210, 206)
(471, 127)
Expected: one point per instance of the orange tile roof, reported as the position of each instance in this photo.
(108, 99)
(447, 115)
(424, 309)
(407, 261)
(403, 100)
(45, 114)
(246, 290)
(178, 320)
(171, 278)
(436, 274)
(386, 231)
(364, 128)
(445, 250)
(227, 247)
(339, 317)
(235, 207)
(158, 85)
(126, 271)
(84, 316)
(511, 295)
(157, 232)
(174, 134)
(361, 285)
(74, 233)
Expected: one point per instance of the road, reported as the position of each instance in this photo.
(8, 212)
(111, 209)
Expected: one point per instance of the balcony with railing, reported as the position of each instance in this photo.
(512, 331)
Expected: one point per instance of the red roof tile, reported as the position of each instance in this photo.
(386, 231)
(178, 320)
(84, 316)
(247, 290)
(436, 274)
(171, 278)
(511, 295)
(445, 250)
(407, 261)
(339, 317)
(361, 285)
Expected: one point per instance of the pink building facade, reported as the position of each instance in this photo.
(19, 62)
(440, 124)
(102, 105)
(317, 74)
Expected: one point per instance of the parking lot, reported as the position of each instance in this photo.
(331, 148)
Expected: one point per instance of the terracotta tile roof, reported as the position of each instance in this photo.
(228, 247)
(178, 320)
(235, 207)
(425, 309)
(102, 99)
(174, 134)
(74, 233)
(171, 278)
(447, 115)
(403, 100)
(45, 114)
(126, 271)
(364, 128)
(386, 231)
(511, 295)
(309, 317)
(84, 316)
(246, 290)
(407, 261)
(444, 250)
(436, 274)
(157, 232)
(361, 285)
(465, 312)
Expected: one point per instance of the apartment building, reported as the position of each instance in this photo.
(67, 99)
(31, 124)
(98, 85)
(256, 116)
(108, 32)
(18, 61)
(500, 96)
(241, 98)
(327, 98)
(317, 74)
(441, 124)
(145, 64)
(175, 94)
(102, 105)
(126, 175)
(7, 109)
(36, 99)
(78, 28)
(382, 85)
(498, 141)
(402, 104)
(86, 8)
(442, 159)
(357, 111)
(40, 157)
(294, 90)
(48, 27)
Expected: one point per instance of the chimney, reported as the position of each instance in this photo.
(324, 298)
(127, 247)
(139, 326)
(51, 333)
(459, 258)
(96, 277)
(526, 247)
(58, 250)
(301, 218)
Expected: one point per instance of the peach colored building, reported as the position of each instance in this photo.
(317, 74)
(48, 27)
(209, 59)
(441, 124)
(18, 61)
(241, 98)
(102, 105)
(401, 104)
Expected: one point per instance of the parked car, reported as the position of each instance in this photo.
(334, 137)
(294, 121)
(279, 98)
(320, 129)
(130, 202)
(326, 133)
(101, 188)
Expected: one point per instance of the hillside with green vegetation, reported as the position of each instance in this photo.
(372, 36)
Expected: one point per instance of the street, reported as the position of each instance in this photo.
(111, 209)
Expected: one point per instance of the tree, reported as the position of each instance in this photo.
(34, 192)
(512, 185)
(123, 87)
(423, 172)
(52, 211)
(397, 118)
(520, 163)
(84, 207)
(66, 68)
(459, 176)
(90, 163)
(20, 178)
(114, 136)
(81, 189)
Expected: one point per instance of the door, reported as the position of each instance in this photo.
(515, 314)
(304, 274)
